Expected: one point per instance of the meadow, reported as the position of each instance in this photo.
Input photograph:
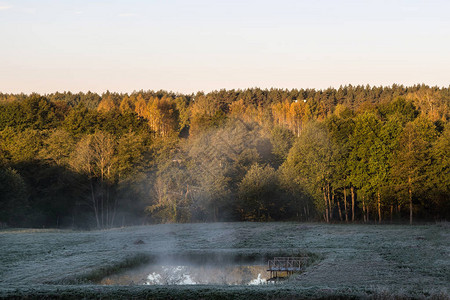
(345, 261)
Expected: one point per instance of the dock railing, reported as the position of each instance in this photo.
(286, 264)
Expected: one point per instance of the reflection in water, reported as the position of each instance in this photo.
(184, 275)
(170, 275)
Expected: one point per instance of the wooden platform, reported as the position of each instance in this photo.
(282, 267)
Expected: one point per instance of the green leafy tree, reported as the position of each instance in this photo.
(257, 194)
(282, 140)
(404, 110)
(440, 173)
(373, 144)
(363, 141)
(182, 106)
(413, 159)
(341, 126)
(57, 147)
(382, 156)
(311, 159)
(35, 112)
(80, 120)
(21, 146)
(130, 153)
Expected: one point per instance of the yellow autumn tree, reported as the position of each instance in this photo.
(298, 115)
(106, 104)
(429, 101)
(249, 113)
(140, 107)
(163, 116)
(291, 115)
(280, 113)
(128, 104)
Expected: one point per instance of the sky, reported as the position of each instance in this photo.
(203, 45)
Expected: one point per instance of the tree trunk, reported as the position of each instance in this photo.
(326, 204)
(368, 214)
(339, 208)
(353, 204)
(364, 210)
(114, 211)
(410, 201)
(101, 202)
(392, 212)
(175, 212)
(94, 204)
(345, 204)
(113, 217)
(107, 206)
(379, 206)
(330, 208)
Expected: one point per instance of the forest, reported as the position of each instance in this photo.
(351, 154)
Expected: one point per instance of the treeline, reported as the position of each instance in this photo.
(349, 154)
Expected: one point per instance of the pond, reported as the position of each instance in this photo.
(188, 274)
(215, 268)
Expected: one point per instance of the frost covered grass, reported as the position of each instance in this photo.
(350, 261)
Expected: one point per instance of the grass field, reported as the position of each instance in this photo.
(347, 261)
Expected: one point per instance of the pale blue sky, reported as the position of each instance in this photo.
(187, 46)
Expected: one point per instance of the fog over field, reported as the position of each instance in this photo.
(379, 261)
